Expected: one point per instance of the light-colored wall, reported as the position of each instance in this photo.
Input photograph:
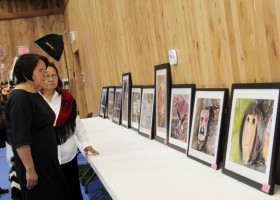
(218, 42)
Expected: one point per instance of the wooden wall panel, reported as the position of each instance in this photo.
(218, 42)
(23, 32)
(16, 9)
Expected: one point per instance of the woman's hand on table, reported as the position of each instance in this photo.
(91, 150)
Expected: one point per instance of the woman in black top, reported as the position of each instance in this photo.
(31, 134)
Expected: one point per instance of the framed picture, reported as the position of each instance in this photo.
(147, 112)
(251, 142)
(66, 84)
(103, 102)
(117, 114)
(111, 97)
(136, 92)
(126, 95)
(162, 98)
(180, 116)
(207, 123)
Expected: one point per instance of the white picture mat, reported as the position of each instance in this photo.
(160, 132)
(135, 90)
(146, 91)
(207, 95)
(182, 91)
(270, 94)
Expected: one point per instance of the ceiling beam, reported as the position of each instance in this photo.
(33, 13)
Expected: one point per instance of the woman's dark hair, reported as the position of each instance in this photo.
(25, 66)
(59, 85)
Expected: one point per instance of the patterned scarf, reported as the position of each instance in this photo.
(66, 120)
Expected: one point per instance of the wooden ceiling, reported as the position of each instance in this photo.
(15, 9)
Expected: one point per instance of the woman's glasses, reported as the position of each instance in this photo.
(43, 71)
(53, 76)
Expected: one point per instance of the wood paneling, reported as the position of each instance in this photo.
(15, 9)
(218, 42)
(23, 32)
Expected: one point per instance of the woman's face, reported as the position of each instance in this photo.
(51, 78)
(39, 75)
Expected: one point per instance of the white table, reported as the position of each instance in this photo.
(132, 167)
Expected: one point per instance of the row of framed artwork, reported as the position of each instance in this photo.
(196, 121)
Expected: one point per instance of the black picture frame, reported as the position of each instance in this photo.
(126, 100)
(208, 124)
(103, 102)
(162, 102)
(136, 97)
(146, 125)
(117, 105)
(111, 97)
(181, 105)
(252, 139)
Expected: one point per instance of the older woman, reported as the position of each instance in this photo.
(68, 128)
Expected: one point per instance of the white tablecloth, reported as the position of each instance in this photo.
(132, 167)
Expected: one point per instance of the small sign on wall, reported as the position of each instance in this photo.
(23, 50)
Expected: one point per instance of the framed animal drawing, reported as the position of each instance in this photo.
(147, 112)
(252, 135)
(180, 116)
(136, 95)
(207, 125)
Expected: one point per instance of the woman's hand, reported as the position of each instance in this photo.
(31, 179)
(91, 150)
(24, 153)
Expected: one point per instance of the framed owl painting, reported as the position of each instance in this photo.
(251, 143)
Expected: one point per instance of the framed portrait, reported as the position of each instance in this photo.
(126, 99)
(180, 116)
(136, 95)
(103, 102)
(111, 97)
(147, 112)
(252, 135)
(162, 98)
(207, 125)
(117, 113)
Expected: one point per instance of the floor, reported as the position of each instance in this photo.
(96, 190)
